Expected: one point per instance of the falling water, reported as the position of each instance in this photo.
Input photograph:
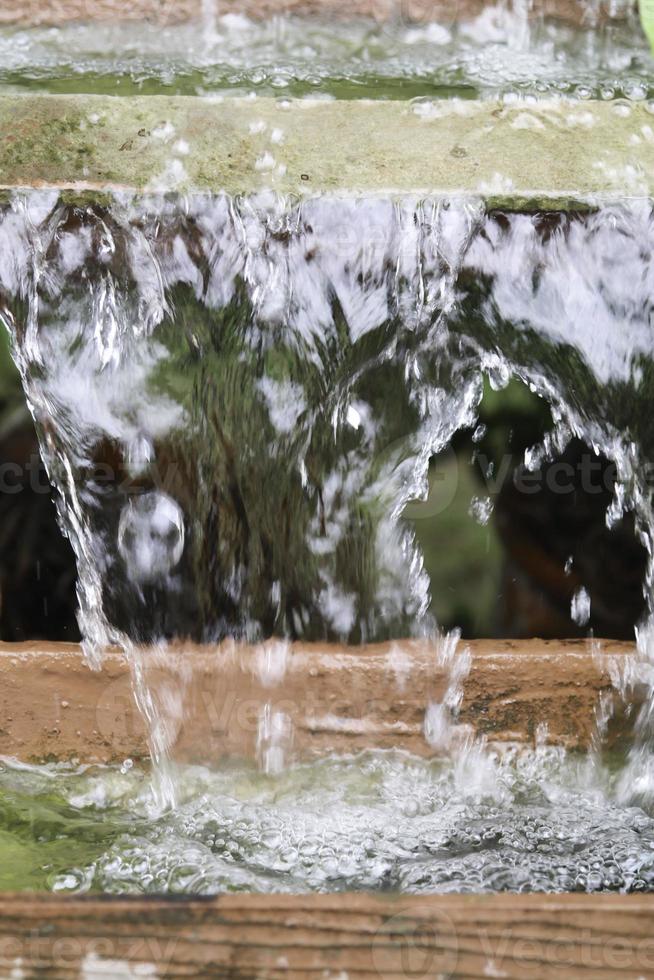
(143, 330)
(236, 399)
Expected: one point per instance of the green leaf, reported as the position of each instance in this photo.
(646, 11)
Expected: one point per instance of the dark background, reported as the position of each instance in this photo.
(506, 577)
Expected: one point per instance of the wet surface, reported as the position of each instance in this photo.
(500, 53)
(525, 820)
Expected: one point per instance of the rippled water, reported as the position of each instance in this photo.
(522, 820)
(498, 53)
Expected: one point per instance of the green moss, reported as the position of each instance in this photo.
(68, 139)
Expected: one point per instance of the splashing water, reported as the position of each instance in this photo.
(580, 607)
(521, 820)
(237, 398)
(235, 401)
(509, 50)
(189, 515)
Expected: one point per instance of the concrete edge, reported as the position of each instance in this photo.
(343, 699)
(58, 12)
(554, 155)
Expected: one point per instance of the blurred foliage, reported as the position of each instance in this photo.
(463, 557)
(13, 410)
(259, 495)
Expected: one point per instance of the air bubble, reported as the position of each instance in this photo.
(636, 92)
(151, 536)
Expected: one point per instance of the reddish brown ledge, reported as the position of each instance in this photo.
(57, 12)
(517, 937)
(336, 698)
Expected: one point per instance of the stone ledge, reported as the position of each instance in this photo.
(57, 12)
(551, 155)
(342, 699)
(367, 936)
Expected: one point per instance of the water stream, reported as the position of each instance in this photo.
(237, 398)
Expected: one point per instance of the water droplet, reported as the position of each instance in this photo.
(481, 509)
(353, 417)
(499, 373)
(140, 453)
(66, 883)
(636, 92)
(580, 607)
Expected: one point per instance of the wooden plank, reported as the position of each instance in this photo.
(334, 698)
(549, 155)
(519, 937)
(57, 12)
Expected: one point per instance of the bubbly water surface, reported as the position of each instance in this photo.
(506, 51)
(518, 820)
